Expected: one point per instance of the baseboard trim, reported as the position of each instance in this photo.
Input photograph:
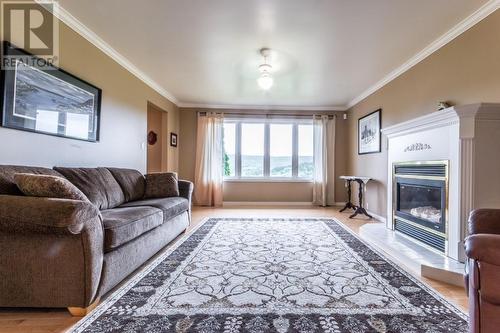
(266, 203)
(377, 217)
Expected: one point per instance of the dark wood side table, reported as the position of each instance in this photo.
(362, 181)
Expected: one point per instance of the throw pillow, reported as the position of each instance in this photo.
(47, 186)
(161, 185)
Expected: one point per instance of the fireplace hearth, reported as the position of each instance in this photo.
(420, 201)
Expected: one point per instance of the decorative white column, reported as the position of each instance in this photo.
(466, 189)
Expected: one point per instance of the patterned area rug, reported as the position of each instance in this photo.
(273, 275)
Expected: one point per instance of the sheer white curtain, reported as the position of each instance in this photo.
(208, 170)
(324, 160)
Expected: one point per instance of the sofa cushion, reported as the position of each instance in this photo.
(161, 185)
(7, 172)
(122, 225)
(98, 184)
(171, 207)
(132, 182)
(48, 187)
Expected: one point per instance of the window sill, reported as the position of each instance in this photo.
(267, 180)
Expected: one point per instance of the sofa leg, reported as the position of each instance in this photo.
(82, 312)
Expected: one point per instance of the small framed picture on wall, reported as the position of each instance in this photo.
(173, 139)
(369, 135)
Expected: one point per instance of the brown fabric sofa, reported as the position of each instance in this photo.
(482, 279)
(68, 253)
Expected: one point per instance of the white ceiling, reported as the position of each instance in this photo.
(325, 52)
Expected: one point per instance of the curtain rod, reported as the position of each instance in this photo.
(274, 114)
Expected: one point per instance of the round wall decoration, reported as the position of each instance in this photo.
(152, 137)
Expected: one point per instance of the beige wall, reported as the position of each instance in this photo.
(187, 143)
(123, 117)
(259, 191)
(269, 192)
(465, 71)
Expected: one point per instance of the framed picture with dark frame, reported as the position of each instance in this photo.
(173, 139)
(369, 134)
(46, 99)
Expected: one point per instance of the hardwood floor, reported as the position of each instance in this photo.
(59, 320)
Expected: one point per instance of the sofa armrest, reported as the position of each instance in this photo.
(484, 221)
(483, 248)
(33, 214)
(51, 252)
(186, 189)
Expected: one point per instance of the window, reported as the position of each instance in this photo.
(306, 166)
(252, 150)
(229, 149)
(281, 150)
(268, 149)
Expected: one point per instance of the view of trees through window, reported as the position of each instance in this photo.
(229, 135)
(245, 149)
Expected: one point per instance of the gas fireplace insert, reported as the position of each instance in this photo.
(421, 200)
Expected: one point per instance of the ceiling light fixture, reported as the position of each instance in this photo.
(265, 81)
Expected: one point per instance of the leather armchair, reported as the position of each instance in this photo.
(482, 279)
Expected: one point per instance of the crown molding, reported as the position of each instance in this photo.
(429, 121)
(450, 116)
(485, 10)
(261, 107)
(67, 18)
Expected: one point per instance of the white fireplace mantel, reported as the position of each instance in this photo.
(468, 137)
